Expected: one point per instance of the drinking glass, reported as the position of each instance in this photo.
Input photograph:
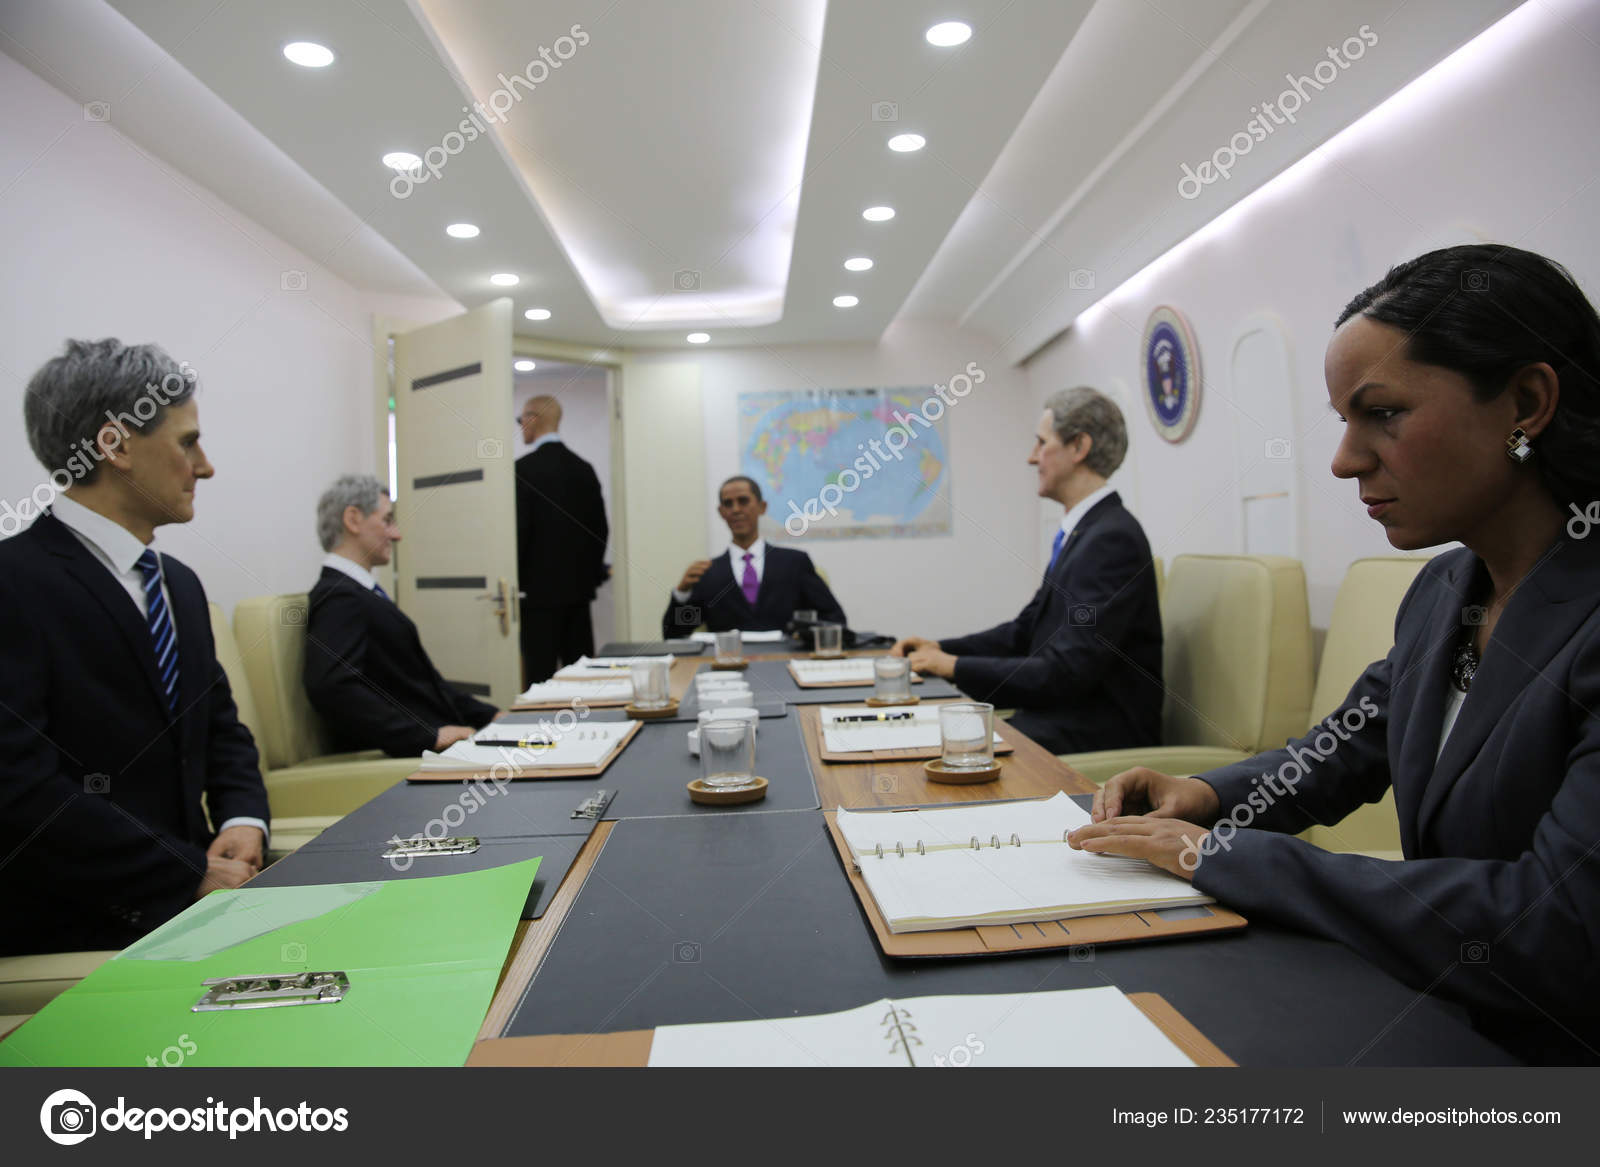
(730, 646)
(966, 735)
(727, 753)
(891, 678)
(651, 689)
(830, 638)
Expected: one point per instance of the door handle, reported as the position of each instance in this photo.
(502, 608)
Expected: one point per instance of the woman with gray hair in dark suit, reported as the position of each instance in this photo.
(1468, 381)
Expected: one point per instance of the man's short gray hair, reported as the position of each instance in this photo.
(1088, 411)
(96, 383)
(351, 490)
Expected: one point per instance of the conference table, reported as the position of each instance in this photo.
(676, 913)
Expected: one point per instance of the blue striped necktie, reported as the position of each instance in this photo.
(378, 587)
(162, 636)
(1055, 550)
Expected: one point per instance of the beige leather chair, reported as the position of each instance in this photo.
(304, 781)
(1237, 663)
(1161, 579)
(1360, 631)
(29, 983)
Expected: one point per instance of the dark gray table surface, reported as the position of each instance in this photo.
(693, 920)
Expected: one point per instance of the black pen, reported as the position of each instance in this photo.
(875, 717)
(521, 745)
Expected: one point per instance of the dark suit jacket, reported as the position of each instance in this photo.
(101, 825)
(789, 582)
(368, 675)
(1082, 663)
(561, 528)
(1498, 904)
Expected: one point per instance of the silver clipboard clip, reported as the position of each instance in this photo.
(273, 991)
(449, 845)
(594, 806)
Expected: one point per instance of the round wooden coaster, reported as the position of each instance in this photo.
(881, 702)
(827, 656)
(670, 709)
(724, 666)
(937, 772)
(715, 796)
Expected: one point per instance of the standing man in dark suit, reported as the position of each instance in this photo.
(115, 717)
(752, 586)
(365, 669)
(561, 544)
(1082, 663)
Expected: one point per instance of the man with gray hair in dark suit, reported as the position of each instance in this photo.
(1082, 662)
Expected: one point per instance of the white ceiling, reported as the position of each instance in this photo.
(735, 139)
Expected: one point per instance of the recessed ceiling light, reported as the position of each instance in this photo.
(859, 263)
(537, 314)
(698, 337)
(845, 301)
(462, 230)
(949, 34)
(504, 279)
(309, 54)
(905, 143)
(402, 161)
(877, 214)
(523, 366)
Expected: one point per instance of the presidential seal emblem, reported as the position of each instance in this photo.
(1171, 374)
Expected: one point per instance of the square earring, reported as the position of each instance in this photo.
(1518, 448)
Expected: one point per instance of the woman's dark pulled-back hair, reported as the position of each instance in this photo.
(1486, 310)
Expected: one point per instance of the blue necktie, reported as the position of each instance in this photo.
(162, 636)
(1055, 550)
(378, 587)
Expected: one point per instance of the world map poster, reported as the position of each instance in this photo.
(848, 463)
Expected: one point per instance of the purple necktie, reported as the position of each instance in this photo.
(750, 584)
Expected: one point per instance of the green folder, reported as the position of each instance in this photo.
(422, 956)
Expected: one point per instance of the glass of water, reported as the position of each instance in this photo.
(830, 639)
(966, 735)
(727, 753)
(891, 678)
(651, 689)
(730, 646)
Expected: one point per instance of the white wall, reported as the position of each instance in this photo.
(1496, 147)
(102, 240)
(586, 430)
(939, 586)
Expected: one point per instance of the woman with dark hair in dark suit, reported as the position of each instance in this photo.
(1468, 380)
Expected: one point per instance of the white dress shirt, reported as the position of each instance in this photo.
(1083, 506)
(117, 549)
(758, 560)
(351, 568)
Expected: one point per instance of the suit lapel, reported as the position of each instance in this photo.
(1547, 607)
(92, 575)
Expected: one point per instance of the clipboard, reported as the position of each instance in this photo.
(995, 939)
(916, 679)
(532, 774)
(631, 1047)
(812, 720)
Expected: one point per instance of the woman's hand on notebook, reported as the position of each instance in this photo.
(1142, 791)
(1171, 844)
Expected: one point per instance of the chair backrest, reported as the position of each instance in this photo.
(1360, 631)
(1361, 628)
(233, 667)
(1238, 651)
(271, 635)
(1161, 579)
